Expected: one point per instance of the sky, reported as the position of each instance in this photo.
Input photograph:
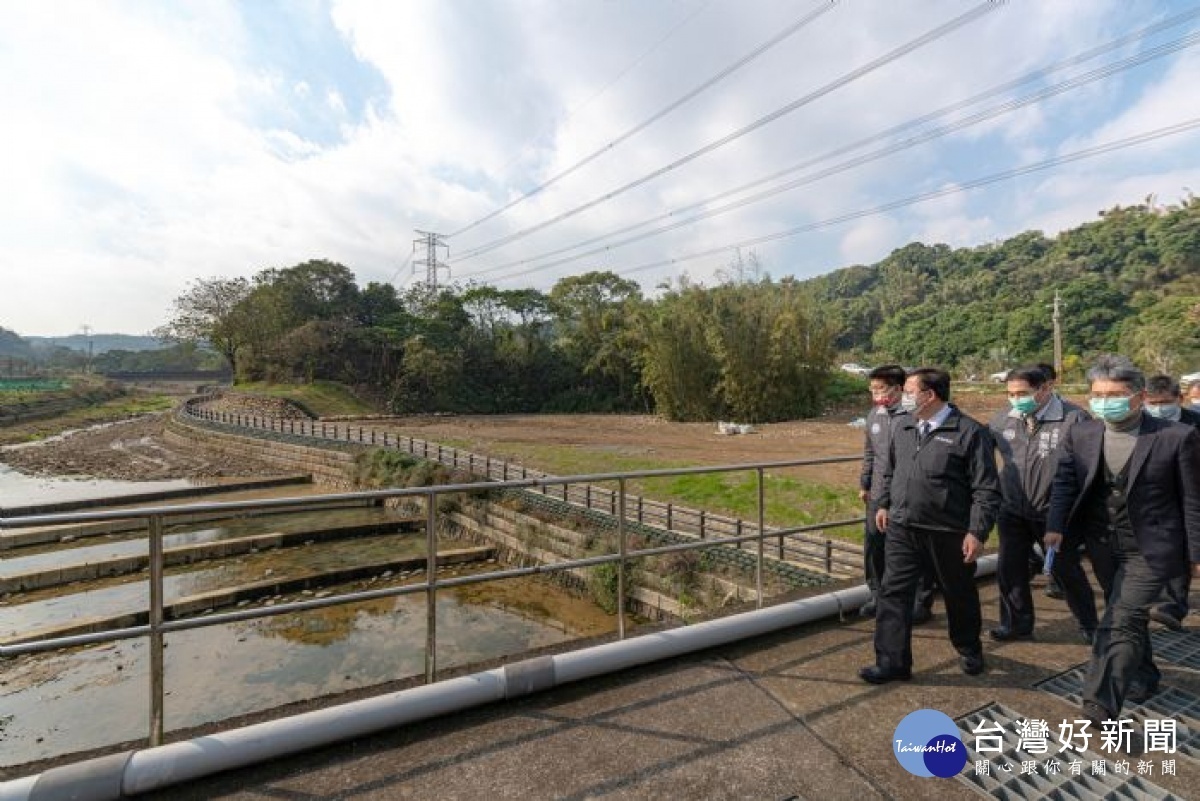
(145, 145)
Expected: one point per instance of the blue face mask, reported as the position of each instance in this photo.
(1024, 404)
(1110, 410)
(1167, 411)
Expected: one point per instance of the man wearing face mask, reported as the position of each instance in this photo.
(1028, 436)
(1193, 396)
(1129, 484)
(886, 385)
(940, 499)
(1163, 402)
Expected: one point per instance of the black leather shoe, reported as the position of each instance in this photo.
(1139, 693)
(867, 609)
(1005, 634)
(1054, 591)
(921, 615)
(971, 664)
(1089, 636)
(1166, 618)
(873, 674)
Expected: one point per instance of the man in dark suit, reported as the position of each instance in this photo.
(886, 385)
(939, 503)
(1129, 485)
(1163, 400)
(1028, 438)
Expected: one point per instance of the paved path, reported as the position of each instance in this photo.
(777, 717)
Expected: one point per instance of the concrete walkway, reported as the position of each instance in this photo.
(777, 717)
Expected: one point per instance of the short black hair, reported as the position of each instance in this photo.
(891, 374)
(1162, 385)
(933, 378)
(1048, 369)
(1033, 374)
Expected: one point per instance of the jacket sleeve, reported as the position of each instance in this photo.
(985, 484)
(1065, 487)
(868, 462)
(1189, 473)
(889, 467)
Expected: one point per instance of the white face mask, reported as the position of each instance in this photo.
(908, 402)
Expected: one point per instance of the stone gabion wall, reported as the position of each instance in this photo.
(740, 560)
(252, 405)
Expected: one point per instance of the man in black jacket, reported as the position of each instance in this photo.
(1028, 437)
(886, 386)
(939, 503)
(1163, 400)
(1129, 485)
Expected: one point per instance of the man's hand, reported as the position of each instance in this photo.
(881, 519)
(862, 495)
(972, 547)
(1053, 539)
(1195, 569)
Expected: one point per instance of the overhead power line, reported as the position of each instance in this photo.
(1083, 79)
(1079, 58)
(1079, 155)
(925, 39)
(612, 82)
(825, 6)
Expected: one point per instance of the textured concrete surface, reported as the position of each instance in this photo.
(778, 717)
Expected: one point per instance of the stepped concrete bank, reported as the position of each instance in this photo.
(189, 554)
(228, 596)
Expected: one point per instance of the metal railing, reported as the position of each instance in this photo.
(831, 555)
(156, 517)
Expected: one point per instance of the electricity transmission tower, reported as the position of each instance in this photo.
(432, 242)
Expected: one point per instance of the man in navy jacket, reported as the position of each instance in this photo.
(1128, 484)
(940, 498)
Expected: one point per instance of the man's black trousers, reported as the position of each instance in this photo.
(907, 551)
(1017, 537)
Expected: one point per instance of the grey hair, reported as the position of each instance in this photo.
(1117, 368)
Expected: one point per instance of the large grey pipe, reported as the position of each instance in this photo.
(130, 773)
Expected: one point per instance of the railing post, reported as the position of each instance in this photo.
(702, 525)
(621, 564)
(762, 531)
(587, 495)
(156, 636)
(431, 563)
(504, 472)
(829, 556)
(670, 516)
(640, 505)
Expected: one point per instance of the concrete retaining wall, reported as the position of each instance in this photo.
(332, 464)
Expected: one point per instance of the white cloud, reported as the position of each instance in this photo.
(155, 144)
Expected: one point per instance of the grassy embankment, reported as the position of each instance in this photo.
(96, 406)
(790, 501)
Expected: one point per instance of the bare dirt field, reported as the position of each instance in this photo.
(135, 450)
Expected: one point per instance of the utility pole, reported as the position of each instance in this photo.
(432, 242)
(1057, 318)
(87, 332)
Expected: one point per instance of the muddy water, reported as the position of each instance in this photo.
(61, 703)
(19, 489)
(223, 671)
